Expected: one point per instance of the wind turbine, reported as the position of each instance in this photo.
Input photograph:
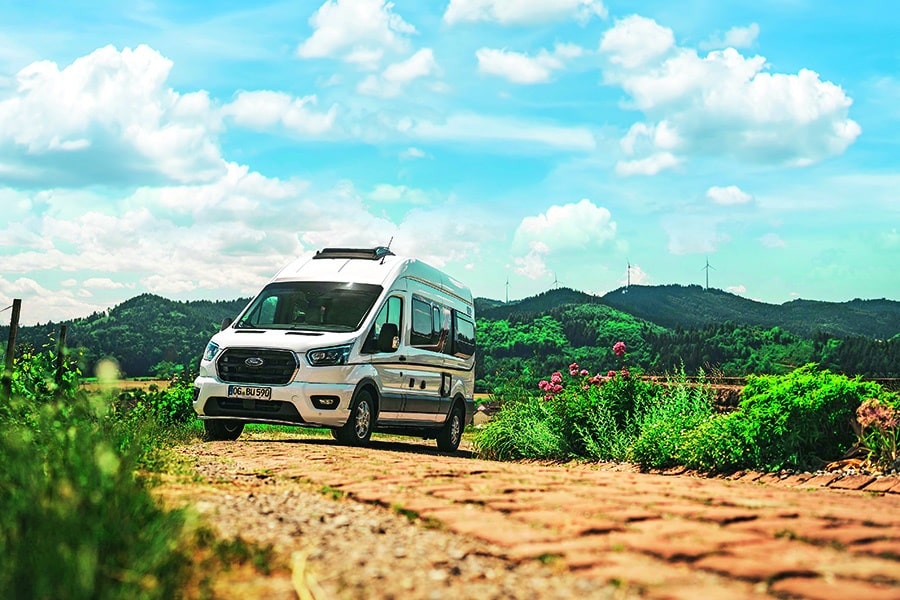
(555, 281)
(507, 289)
(707, 268)
(628, 275)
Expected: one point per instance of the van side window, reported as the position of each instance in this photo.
(463, 336)
(385, 333)
(422, 324)
(430, 326)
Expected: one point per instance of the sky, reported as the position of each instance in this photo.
(192, 149)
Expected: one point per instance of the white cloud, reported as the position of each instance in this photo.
(482, 129)
(532, 265)
(102, 283)
(524, 69)
(635, 41)
(519, 12)
(412, 153)
(650, 165)
(736, 289)
(636, 276)
(262, 110)
(107, 117)
(391, 82)
(356, 31)
(723, 103)
(567, 227)
(772, 240)
(736, 37)
(729, 195)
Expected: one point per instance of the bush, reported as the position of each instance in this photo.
(76, 521)
(799, 420)
(669, 420)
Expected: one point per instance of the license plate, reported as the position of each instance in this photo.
(243, 391)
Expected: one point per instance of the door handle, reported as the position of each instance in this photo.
(401, 358)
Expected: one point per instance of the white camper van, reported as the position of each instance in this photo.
(355, 340)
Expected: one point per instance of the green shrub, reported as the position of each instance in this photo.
(797, 420)
(668, 421)
(525, 427)
(75, 521)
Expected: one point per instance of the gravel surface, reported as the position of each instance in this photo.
(337, 548)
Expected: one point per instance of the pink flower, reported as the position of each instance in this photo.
(573, 369)
(596, 379)
(619, 348)
(624, 373)
(584, 373)
(556, 377)
(611, 374)
(548, 397)
(544, 385)
(873, 413)
(557, 388)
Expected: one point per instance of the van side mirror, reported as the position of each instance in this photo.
(225, 323)
(388, 338)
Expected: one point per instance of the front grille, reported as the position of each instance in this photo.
(266, 410)
(277, 367)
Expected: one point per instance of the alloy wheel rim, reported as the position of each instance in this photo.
(363, 417)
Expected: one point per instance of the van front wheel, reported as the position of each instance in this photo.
(358, 428)
(222, 430)
(450, 435)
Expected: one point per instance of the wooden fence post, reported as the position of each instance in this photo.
(11, 348)
(60, 355)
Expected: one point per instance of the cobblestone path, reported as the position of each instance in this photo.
(660, 535)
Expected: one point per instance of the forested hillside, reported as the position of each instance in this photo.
(691, 307)
(141, 333)
(664, 328)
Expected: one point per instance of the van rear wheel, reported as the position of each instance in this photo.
(358, 428)
(222, 430)
(450, 435)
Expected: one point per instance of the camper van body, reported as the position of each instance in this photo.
(355, 340)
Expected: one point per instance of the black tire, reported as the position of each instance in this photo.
(222, 430)
(450, 435)
(358, 428)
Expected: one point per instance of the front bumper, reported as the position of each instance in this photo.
(291, 404)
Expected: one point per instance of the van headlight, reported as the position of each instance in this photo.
(212, 349)
(327, 357)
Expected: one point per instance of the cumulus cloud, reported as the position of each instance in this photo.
(722, 103)
(355, 31)
(728, 195)
(107, 117)
(737, 289)
(392, 81)
(264, 110)
(567, 227)
(533, 264)
(650, 165)
(520, 12)
(524, 69)
(736, 37)
(412, 153)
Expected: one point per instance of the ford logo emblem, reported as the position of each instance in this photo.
(254, 361)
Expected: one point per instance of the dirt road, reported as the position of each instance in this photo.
(399, 520)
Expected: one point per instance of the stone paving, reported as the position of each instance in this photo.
(667, 535)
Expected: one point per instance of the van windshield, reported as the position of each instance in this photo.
(310, 306)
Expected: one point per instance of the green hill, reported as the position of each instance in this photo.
(692, 307)
(140, 333)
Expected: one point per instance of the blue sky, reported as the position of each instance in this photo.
(192, 149)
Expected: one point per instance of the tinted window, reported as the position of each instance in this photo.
(464, 336)
(314, 306)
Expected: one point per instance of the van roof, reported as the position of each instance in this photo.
(378, 266)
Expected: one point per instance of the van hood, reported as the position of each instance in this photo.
(281, 339)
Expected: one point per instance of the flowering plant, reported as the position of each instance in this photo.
(876, 430)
